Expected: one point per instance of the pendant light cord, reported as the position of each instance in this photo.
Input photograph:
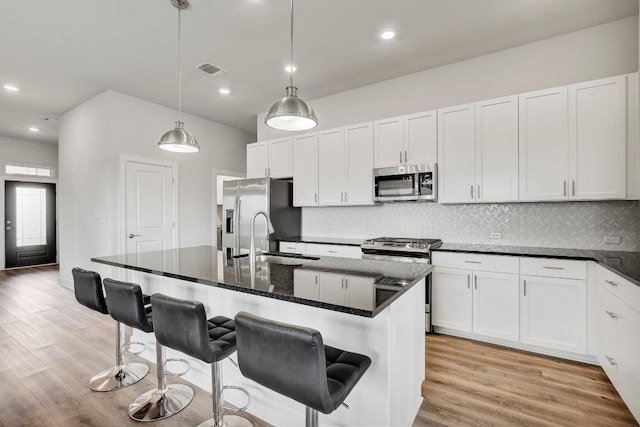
(180, 64)
(291, 64)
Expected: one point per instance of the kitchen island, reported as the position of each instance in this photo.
(370, 307)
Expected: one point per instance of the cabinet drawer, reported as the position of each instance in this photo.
(628, 292)
(552, 267)
(293, 247)
(477, 262)
(333, 250)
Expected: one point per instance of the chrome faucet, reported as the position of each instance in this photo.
(252, 236)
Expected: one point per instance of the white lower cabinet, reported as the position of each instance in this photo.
(332, 288)
(495, 305)
(553, 313)
(452, 299)
(619, 345)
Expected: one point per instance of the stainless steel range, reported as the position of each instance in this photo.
(404, 250)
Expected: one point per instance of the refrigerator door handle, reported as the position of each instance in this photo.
(237, 225)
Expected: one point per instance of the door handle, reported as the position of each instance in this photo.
(131, 236)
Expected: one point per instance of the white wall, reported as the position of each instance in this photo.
(19, 151)
(92, 138)
(600, 51)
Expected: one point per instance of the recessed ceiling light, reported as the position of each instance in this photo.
(34, 129)
(11, 88)
(387, 34)
(290, 68)
(224, 91)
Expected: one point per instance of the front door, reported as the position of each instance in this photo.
(149, 207)
(30, 223)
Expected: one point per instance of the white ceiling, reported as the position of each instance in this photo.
(61, 53)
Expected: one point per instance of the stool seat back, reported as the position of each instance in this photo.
(126, 305)
(87, 287)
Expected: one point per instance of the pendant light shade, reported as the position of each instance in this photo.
(291, 113)
(179, 140)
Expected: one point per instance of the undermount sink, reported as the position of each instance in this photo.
(285, 260)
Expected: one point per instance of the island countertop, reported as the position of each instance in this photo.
(207, 265)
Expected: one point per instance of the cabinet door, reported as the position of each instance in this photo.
(281, 158)
(388, 142)
(332, 290)
(452, 299)
(331, 171)
(306, 284)
(305, 170)
(421, 137)
(359, 152)
(360, 292)
(597, 139)
(497, 150)
(257, 159)
(456, 154)
(553, 313)
(544, 144)
(496, 307)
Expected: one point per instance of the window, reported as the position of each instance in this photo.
(46, 171)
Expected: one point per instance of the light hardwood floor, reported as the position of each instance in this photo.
(50, 346)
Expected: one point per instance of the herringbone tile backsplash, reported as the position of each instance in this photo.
(580, 225)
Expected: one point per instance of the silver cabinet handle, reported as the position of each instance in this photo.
(475, 281)
(346, 284)
(265, 172)
(472, 262)
(341, 196)
(612, 283)
(478, 192)
(564, 188)
(405, 156)
(524, 282)
(472, 191)
(552, 268)
(332, 252)
(400, 156)
(611, 360)
(316, 197)
(573, 186)
(131, 236)
(290, 247)
(342, 283)
(611, 314)
(468, 281)
(316, 279)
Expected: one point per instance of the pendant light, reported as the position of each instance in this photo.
(179, 140)
(291, 113)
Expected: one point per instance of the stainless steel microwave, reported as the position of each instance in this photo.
(403, 183)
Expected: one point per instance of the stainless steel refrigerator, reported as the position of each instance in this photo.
(241, 199)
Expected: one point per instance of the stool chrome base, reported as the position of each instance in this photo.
(118, 377)
(159, 404)
(227, 421)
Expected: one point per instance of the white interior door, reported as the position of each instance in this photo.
(149, 207)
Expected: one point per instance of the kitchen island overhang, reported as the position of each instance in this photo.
(342, 298)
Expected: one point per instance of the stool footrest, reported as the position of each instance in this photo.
(241, 389)
(177, 374)
(125, 348)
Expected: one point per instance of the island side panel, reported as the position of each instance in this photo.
(397, 367)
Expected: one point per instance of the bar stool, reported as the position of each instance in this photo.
(87, 287)
(293, 361)
(183, 326)
(127, 305)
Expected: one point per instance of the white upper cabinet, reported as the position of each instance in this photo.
(456, 154)
(345, 166)
(270, 159)
(281, 158)
(305, 170)
(359, 160)
(544, 143)
(497, 150)
(257, 159)
(389, 142)
(331, 167)
(597, 139)
(410, 139)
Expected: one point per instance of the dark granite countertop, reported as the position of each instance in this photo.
(208, 265)
(626, 264)
(324, 240)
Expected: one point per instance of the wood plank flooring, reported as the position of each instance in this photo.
(50, 346)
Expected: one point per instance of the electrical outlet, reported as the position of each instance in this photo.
(612, 240)
(496, 235)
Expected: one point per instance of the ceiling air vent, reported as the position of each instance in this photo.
(210, 69)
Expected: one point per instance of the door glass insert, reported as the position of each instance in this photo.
(31, 216)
